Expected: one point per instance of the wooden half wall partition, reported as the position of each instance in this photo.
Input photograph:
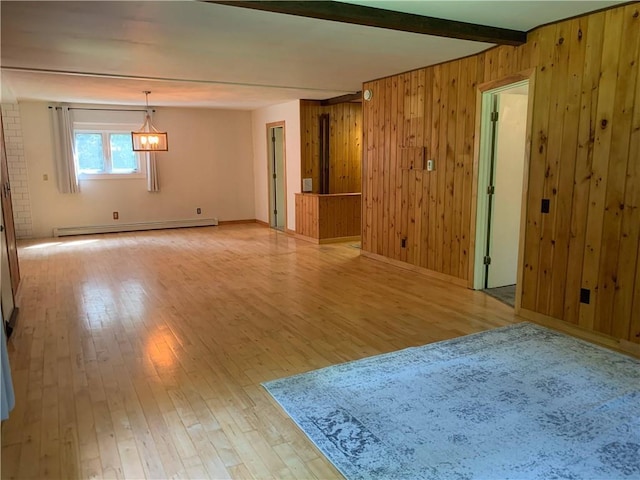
(345, 145)
(328, 218)
(580, 263)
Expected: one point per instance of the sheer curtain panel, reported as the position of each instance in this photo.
(64, 149)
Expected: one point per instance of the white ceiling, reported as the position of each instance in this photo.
(191, 53)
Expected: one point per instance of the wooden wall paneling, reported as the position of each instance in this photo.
(305, 139)
(354, 120)
(626, 303)
(540, 134)
(620, 124)
(600, 165)
(309, 143)
(345, 145)
(580, 162)
(427, 108)
(432, 153)
(378, 111)
(345, 155)
(313, 118)
(634, 330)
(474, 169)
(441, 161)
(491, 60)
(368, 146)
(507, 61)
(404, 174)
(574, 37)
(459, 160)
(450, 156)
(419, 166)
(409, 183)
(557, 107)
(335, 181)
(337, 175)
(471, 65)
(592, 34)
(383, 155)
(398, 191)
(388, 154)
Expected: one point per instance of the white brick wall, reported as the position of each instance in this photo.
(17, 170)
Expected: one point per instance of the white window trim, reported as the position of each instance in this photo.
(105, 129)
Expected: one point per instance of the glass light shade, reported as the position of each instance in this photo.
(148, 139)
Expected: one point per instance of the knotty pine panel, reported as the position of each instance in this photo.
(585, 158)
(345, 145)
(328, 216)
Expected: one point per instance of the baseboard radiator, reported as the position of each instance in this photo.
(133, 227)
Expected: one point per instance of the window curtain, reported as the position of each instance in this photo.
(153, 185)
(64, 150)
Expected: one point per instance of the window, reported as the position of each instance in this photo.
(104, 152)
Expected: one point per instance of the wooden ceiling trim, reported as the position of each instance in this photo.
(389, 19)
(348, 98)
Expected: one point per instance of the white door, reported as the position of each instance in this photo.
(506, 201)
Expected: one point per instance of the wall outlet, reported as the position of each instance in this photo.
(198, 210)
(115, 215)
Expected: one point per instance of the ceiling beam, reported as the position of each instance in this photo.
(389, 19)
(349, 97)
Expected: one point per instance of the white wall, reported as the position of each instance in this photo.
(209, 165)
(289, 113)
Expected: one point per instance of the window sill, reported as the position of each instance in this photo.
(111, 176)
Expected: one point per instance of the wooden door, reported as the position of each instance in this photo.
(7, 215)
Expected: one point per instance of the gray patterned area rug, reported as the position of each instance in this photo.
(520, 402)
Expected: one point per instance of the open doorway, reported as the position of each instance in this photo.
(501, 174)
(277, 177)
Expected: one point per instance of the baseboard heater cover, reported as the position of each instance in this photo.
(133, 227)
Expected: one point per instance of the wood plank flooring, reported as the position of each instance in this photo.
(140, 355)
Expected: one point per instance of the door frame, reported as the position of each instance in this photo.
(479, 203)
(8, 233)
(269, 126)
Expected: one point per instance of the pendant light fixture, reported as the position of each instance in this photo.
(147, 138)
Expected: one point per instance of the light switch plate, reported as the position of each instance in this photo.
(307, 184)
(430, 165)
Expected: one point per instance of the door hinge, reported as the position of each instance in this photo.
(487, 260)
(491, 190)
(275, 212)
(494, 116)
(274, 176)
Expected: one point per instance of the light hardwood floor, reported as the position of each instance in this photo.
(141, 354)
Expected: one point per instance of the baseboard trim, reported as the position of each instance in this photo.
(240, 222)
(618, 344)
(133, 227)
(354, 238)
(423, 271)
(306, 239)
